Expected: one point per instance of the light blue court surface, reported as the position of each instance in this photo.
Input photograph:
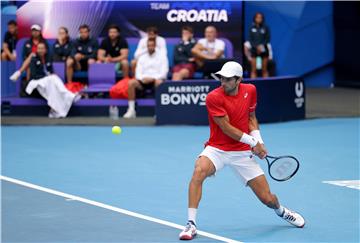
(146, 170)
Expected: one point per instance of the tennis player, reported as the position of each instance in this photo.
(234, 137)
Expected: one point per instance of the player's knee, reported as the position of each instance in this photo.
(199, 174)
(69, 62)
(125, 62)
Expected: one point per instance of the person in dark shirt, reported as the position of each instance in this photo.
(8, 52)
(183, 58)
(63, 46)
(115, 49)
(44, 82)
(30, 46)
(258, 44)
(83, 53)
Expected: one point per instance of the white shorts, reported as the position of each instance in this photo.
(240, 161)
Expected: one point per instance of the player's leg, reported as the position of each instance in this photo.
(133, 85)
(124, 64)
(204, 168)
(180, 75)
(265, 61)
(133, 67)
(261, 188)
(70, 62)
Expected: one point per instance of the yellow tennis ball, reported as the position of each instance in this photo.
(116, 130)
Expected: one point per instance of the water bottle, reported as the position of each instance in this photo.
(114, 112)
(258, 63)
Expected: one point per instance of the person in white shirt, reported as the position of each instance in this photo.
(151, 70)
(152, 33)
(208, 48)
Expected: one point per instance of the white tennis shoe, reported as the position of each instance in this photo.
(130, 113)
(293, 218)
(189, 232)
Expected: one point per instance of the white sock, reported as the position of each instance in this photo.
(280, 210)
(131, 104)
(192, 214)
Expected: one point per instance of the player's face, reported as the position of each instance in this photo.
(35, 33)
(152, 35)
(41, 49)
(62, 34)
(12, 28)
(151, 46)
(210, 33)
(258, 19)
(113, 34)
(229, 84)
(186, 35)
(84, 33)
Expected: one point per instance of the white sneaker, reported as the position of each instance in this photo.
(293, 218)
(15, 76)
(189, 232)
(130, 114)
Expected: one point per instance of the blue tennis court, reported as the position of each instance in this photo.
(84, 184)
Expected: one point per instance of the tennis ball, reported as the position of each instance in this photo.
(116, 130)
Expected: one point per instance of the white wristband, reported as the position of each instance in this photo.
(256, 134)
(246, 138)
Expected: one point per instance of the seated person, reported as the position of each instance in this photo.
(8, 51)
(258, 45)
(30, 46)
(63, 46)
(115, 49)
(152, 33)
(151, 70)
(183, 59)
(208, 48)
(48, 85)
(83, 53)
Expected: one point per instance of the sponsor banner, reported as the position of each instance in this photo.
(279, 99)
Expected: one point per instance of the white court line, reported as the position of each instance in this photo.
(112, 208)
(354, 184)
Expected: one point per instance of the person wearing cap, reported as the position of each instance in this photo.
(83, 53)
(8, 51)
(44, 83)
(234, 138)
(30, 46)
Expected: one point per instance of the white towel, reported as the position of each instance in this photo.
(54, 91)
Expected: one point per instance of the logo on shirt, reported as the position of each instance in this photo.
(299, 92)
(245, 95)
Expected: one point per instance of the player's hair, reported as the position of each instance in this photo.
(12, 22)
(188, 28)
(84, 26)
(114, 26)
(152, 29)
(211, 26)
(151, 40)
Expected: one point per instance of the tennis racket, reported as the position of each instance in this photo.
(282, 168)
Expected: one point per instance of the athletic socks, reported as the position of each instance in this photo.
(131, 104)
(280, 211)
(192, 215)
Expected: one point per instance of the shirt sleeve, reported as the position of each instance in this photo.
(253, 98)
(124, 44)
(164, 68)
(220, 45)
(215, 106)
(139, 69)
(103, 45)
(141, 48)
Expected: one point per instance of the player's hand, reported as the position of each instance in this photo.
(260, 150)
(78, 56)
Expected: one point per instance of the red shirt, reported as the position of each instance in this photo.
(237, 108)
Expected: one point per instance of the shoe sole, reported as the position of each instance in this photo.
(186, 237)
